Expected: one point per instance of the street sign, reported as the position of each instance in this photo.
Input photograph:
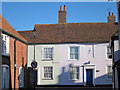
(34, 64)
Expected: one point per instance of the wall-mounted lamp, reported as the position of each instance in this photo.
(88, 62)
(97, 70)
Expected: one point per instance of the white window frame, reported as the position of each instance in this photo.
(43, 58)
(70, 52)
(108, 53)
(74, 72)
(5, 38)
(108, 72)
(45, 78)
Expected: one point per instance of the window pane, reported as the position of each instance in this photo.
(76, 56)
(109, 70)
(109, 52)
(48, 53)
(48, 72)
(2, 46)
(73, 52)
(74, 73)
(76, 49)
(5, 44)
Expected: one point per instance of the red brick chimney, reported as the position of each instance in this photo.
(62, 15)
(111, 18)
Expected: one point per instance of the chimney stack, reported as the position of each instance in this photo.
(62, 15)
(111, 18)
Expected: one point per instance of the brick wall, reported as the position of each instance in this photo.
(18, 56)
(12, 61)
(62, 15)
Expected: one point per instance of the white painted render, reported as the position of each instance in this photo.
(96, 53)
(42, 63)
(98, 61)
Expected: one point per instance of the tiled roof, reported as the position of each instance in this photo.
(5, 26)
(71, 33)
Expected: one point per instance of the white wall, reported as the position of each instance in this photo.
(95, 53)
(41, 63)
(97, 57)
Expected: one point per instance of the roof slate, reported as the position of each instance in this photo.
(71, 33)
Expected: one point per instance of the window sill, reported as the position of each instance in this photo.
(47, 59)
(109, 79)
(46, 79)
(107, 59)
(73, 79)
(72, 59)
(7, 55)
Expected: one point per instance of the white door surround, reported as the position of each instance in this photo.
(85, 67)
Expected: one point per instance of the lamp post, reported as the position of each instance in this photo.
(34, 63)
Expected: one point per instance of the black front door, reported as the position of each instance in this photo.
(89, 76)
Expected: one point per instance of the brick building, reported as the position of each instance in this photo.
(14, 57)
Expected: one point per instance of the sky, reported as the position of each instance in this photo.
(24, 15)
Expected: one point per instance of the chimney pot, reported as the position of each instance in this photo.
(64, 7)
(60, 8)
(112, 14)
(108, 13)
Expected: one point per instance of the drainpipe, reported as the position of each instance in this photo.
(112, 49)
(15, 64)
(83, 76)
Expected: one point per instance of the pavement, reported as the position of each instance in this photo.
(74, 88)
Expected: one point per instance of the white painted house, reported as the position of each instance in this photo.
(72, 53)
(85, 63)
